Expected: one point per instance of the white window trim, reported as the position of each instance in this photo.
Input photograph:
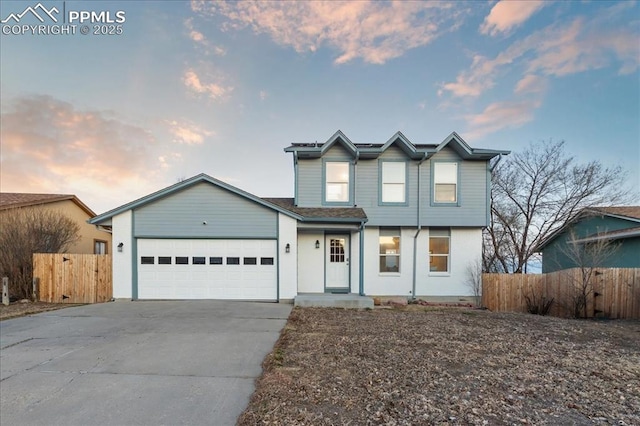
(448, 255)
(384, 183)
(398, 255)
(437, 181)
(327, 182)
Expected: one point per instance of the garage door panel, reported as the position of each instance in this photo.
(253, 278)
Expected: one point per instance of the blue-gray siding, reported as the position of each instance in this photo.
(368, 191)
(472, 205)
(471, 210)
(310, 176)
(627, 254)
(228, 215)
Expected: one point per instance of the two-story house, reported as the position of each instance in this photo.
(397, 219)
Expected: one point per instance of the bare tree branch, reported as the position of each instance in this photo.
(587, 256)
(26, 231)
(537, 191)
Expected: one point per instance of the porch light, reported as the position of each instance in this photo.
(317, 244)
(120, 247)
(287, 248)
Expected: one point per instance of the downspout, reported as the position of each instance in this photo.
(496, 163)
(415, 237)
(295, 178)
(361, 244)
(361, 261)
(355, 178)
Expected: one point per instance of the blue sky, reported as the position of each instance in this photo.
(223, 87)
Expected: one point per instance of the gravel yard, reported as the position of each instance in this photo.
(424, 365)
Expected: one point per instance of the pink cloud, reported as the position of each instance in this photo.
(506, 15)
(557, 50)
(500, 115)
(531, 83)
(186, 132)
(373, 31)
(214, 91)
(199, 38)
(50, 146)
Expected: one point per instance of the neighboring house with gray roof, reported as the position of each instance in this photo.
(618, 225)
(92, 239)
(397, 219)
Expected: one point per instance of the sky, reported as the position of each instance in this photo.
(177, 88)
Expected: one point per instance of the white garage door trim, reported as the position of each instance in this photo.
(232, 269)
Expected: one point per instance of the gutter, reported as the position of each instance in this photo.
(415, 237)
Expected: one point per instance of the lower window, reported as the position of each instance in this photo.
(439, 250)
(389, 249)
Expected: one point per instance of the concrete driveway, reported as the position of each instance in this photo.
(135, 363)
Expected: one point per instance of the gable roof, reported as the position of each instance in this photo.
(12, 200)
(630, 213)
(414, 151)
(322, 214)
(202, 177)
(622, 212)
(339, 137)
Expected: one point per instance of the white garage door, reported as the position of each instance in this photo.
(207, 269)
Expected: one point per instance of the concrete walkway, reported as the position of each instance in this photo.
(135, 363)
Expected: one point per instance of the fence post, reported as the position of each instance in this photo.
(35, 288)
(5, 291)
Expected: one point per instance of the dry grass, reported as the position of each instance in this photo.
(448, 366)
(21, 309)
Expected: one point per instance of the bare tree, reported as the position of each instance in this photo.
(473, 280)
(26, 231)
(535, 192)
(587, 255)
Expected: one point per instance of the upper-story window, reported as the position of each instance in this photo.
(393, 181)
(337, 182)
(445, 181)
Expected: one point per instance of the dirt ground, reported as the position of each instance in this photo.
(409, 366)
(20, 309)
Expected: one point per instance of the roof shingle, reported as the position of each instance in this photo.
(12, 200)
(626, 211)
(355, 213)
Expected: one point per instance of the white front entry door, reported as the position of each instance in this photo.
(337, 263)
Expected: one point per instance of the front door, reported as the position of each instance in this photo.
(337, 264)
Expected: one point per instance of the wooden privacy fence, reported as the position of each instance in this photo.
(72, 278)
(611, 293)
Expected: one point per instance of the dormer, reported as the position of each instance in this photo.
(382, 176)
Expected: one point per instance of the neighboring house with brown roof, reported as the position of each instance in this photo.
(389, 219)
(619, 225)
(93, 239)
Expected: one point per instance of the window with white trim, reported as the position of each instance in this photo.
(394, 174)
(439, 250)
(445, 181)
(389, 250)
(337, 181)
